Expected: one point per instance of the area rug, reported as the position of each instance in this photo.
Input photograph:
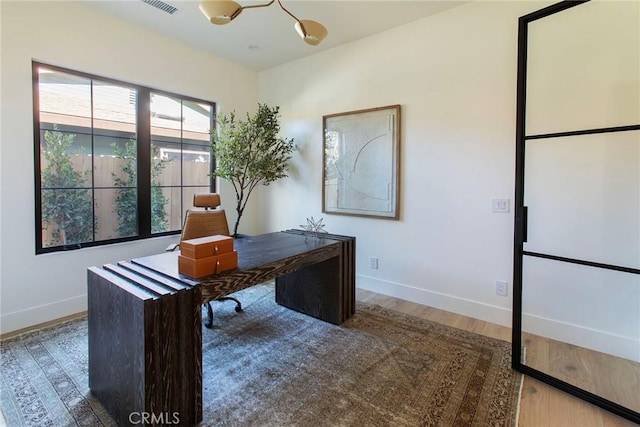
(270, 366)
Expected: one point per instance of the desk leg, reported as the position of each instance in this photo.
(145, 351)
(325, 290)
(313, 290)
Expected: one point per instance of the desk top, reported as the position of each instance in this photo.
(254, 252)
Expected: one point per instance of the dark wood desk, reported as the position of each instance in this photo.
(145, 319)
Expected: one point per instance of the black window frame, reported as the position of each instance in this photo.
(144, 137)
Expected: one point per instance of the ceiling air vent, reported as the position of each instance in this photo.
(162, 6)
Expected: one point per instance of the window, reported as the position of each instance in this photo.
(114, 161)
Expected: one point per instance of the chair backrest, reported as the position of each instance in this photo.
(206, 200)
(208, 222)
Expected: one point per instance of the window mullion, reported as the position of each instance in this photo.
(144, 161)
(93, 168)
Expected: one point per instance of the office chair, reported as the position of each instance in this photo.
(209, 221)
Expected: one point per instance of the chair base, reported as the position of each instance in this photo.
(209, 322)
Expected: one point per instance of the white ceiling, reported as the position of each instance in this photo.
(265, 37)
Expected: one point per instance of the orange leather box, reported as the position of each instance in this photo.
(201, 267)
(205, 247)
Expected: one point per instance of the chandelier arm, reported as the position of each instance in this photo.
(293, 16)
(253, 6)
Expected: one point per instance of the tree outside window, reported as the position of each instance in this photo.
(67, 204)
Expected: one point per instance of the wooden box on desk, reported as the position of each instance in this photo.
(201, 267)
(205, 247)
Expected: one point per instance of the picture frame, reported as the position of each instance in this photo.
(361, 163)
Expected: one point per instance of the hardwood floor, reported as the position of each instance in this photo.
(540, 405)
(611, 377)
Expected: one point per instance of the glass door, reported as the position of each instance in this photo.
(576, 319)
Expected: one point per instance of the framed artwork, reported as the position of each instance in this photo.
(361, 163)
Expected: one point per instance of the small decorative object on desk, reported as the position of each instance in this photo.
(205, 256)
(314, 227)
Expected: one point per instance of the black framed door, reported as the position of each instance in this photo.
(576, 301)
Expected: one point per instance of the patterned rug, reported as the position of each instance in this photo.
(270, 366)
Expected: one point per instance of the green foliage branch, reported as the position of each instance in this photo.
(66, 202)
(159, 217)
(126, 207)
(250, 152)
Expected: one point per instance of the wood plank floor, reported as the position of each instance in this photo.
(611, 377)
(540, 405)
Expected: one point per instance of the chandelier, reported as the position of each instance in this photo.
(222, 12)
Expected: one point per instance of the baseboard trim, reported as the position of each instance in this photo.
(442, 301)
(594, 339)
(36, 317)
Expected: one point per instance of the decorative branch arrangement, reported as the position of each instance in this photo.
(250, 152)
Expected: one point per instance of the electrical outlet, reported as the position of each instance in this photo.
(373, 263)
(502, 288)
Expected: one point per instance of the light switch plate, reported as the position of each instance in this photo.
(500, 205)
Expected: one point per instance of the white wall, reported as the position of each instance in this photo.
(455, 76)
(69, 34)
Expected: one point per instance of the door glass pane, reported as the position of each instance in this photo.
(582, 325)
(583, 197)
(583, 68)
